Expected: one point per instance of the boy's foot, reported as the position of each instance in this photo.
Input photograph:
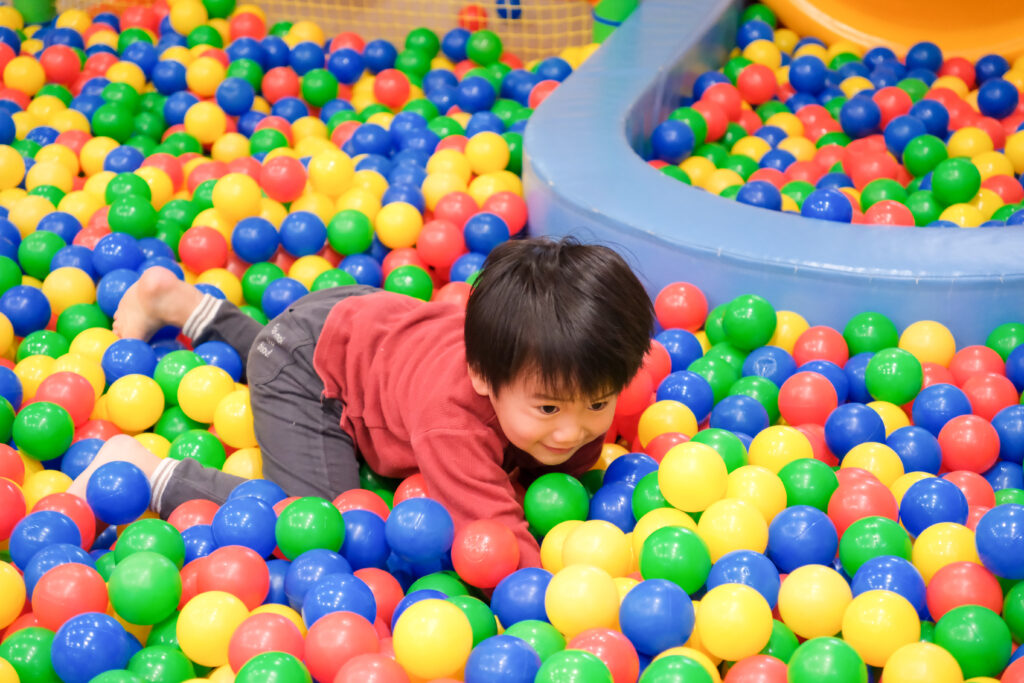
(120, 447)
(158, 298)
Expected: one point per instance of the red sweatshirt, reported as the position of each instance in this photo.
(399, 366)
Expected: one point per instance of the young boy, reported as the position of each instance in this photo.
(524, 379)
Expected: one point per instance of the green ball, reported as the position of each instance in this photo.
(335, 277)
(340, 117)
(445, 582)
(10, 273)
(279, 667)
(151, 125)
(1010, 495)
(6, 419)
(146, 145)
(182, 143)
(153, 535)
(924, 206)
(713, 152)
(714, 324)
(484, 47)
(179, 213)
(423, 107)
(42, 343)
(1005, 338)
(116, 676)
(882, 189)
(202, 196)
(122, 94)
(247, 69)
(105, 565)
(125, 185)
(797, 190)
(726, 444)
(424, 40)
(174, 422)
(834, 138)
(161, 664)
(675, 669)
(592, 481)
(43, 430)
(927, 631)
(770, 108)
(730, 192)
(647, 496)
(350, 232)
(871, 537)
(481, 618)
(153, 102)
(164, 632)
(762, 390)
(718, 373)
(319, 86)
(540, 635)
(923, 153)
(413, 63)
(219, 9)
(171, 368)
(370, 110)
(914, 87)
(1013, 610)
(28, 651)
(573, 665)
(978, 639)
(113, 120)
(200, 445)
(50, 193)
(676, 173)
(678, 555)
(133, 215)
(309, 523)
(36, 252)
(266, 140)
(205, 35)
(783, 642)
(280, 28)
(760, 12)
(733, 133)
(955, 181)
(734, 67)
(893, 375)
(255, 280)
(515, 152)
(444, 126)
(870, 331)
(27, 148)
(254, 313)
(826, 660)
(410, 280)
(553, 498)
(77, 318)
(368, 479)
(58, 91)
(808, 482)
(145, 588)
(729, 353)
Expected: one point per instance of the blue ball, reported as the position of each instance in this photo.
(752, 30)
(894, 574)
(10, 387)
(851, 424)
(771, 362)
(246, 48)
(406, 122)
(280, 294)
(520, 596)
(936, 405)
(339, 593)
(118, 492)
(88, 644)
(860, 116)
(828, 205)
(128, 357)
(931, 501)
(247, 122)
(177, 105)
(509, 9)
(999, 538)
(332, 108)
(365, 544)
(877, 56)
(750, 569)
(690, 389)
(305, 57)
(412, 598)
(264, 489)
(740, 413)
(484, 122)
(773, 135)
(502, 659)
(152, 247)
(629, 468)
(682, 345)
(408, 194)
(453, 45)
(833, 373)
(706, 80)
(275, 52)
(408, 174)
(856, 377)
(801, 535)
(779, 159)
(255, 239)
(38, 530)
(308, 569)
(379, 55)
(169, 77)
(118, 250)
(198, 540)
(235, 96)
(918, 449)
(78, 456)
(933, 115)
(61, 223)
(1009, 425)
(223, 356)
(762, 194)
(42, 135)
(924, 55)
(613, 503)
(7, 128)
(553, 69)
(1005, 475)
(303, 233)
(278, 571)
(370, 138)
(464, 266)
(246, 521)
(672, 141)
(52, 556)
(900, 131)
(290, 108)
(419, 530)
(26, 307)
(346, 65)
(990, 66)
(475, 94)
(123, 159)
(484, 231)
(997, 98)
(656, 615)
(807, 74)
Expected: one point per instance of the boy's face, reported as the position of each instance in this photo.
(549, 428)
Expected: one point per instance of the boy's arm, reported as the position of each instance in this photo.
(463, 471)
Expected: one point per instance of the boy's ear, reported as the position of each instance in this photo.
(480, 385)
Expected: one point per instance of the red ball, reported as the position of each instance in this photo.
(96, 429)
(757, 669)
(404, 256)
(821, 343)
(247, 25)
(335, 639)
(344, 131)
(933, 373)
(540, 92)
(213, 170)
(12, 507)
(440, 243)
(76, 509)
(636, 395)
(371, 668)
(237, 570)
(484, 552)
(757, 84)
(963, 583)
(815, 434)
(989, 393)
(1007, 187)
(726, 96)
(858, 499)
(975, 488)
(61, 64)
(974, 515)
(807, 171)
(472, 17)
(280, 82)
(510, 207)
(362, 499)
(869, 166)
(657, 363)
(6, 55)
(770, 175)
(456, 142)
(993, 128)
(169, 164)
(413, 486)
(889, 212)
(456, 208)
(246, 166)
(99, 62)
(192, 513)
(202, 248)
(612, 648)
(714, 115)
(278, 123)
(387, 592)
(264, 632)
(975, 360)
(969, 442)
(350, 40)
(283, 178)
(681, 305)
(65, 591)
(190, 580)
(72, 392)
(807, 397)
(454, 293)
(391, 88)
(11, 465)
(140, 16)
(961, 68)
(892, 102)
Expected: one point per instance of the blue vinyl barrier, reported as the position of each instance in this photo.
(584, 175)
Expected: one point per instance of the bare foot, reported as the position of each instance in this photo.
(158, 298)
(119, 447)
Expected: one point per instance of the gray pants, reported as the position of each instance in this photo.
(303, 447)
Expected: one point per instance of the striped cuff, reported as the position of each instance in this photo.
(158, 482)
(201, 317)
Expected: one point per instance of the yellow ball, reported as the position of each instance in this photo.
(759, 486)
(69, 119)
(80, 204)
(81, 365)
(307, 269)
(359, 199)
(127, 72)
(554, 543)
(245, 462)
(964, 215)
(813, 599)
(233, 420)
(8, 674)
(206, 122)
(229, 147)
(799, 146)
(699, 169)
(656, 519)
(11, 18)
(929, 342)
(581, 597)
(451, 161)
(437, 185)
(224, 280)
(42, 484)
(692, 476)
(432, 639)
(487, 152)
(892, 415)
(599, 544)
(31, 371)
(92, 343)
(665, 416)
(721, 179)
(61, 154)
(49, 173)
(1015, 151)
(154, 443)
(877, 458)
(161, 187)
(990, 164)
(987, 202)
(68, 286)
(12, 167)
(372, 181)
(12, 588)
(922, 662)
(272, 211)
(24, 74)
(43, 108)
(187, 15)
(27, 212)
(763, 52)
(330, 172)
(735, 622)
(777, 446)
(788, 328)
(483, 187)
(308, 127)
(94, 153)
(135, 403)
(201, 389)
(855, 84)
(206, 623)
(236, 196)
(315, 203)
(876, 623)
(731, 524)
(752, 147)
(6, 334)
(969, 142)
(204, 75)
(941, 544)
(398, 225)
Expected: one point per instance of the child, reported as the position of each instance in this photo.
(524, 379)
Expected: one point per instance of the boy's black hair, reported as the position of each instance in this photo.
(575, 314)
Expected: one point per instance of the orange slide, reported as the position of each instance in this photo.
(963, 28)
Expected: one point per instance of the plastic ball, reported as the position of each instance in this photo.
(997, 533)
(580, 597)
(484, 552)
(432, 639)
(145, 588)
(87, 645)
(309, 523)
(813, 599)
(201, 389)
(734, 621)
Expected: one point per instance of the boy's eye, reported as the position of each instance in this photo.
(599, 405)
(549, 410)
